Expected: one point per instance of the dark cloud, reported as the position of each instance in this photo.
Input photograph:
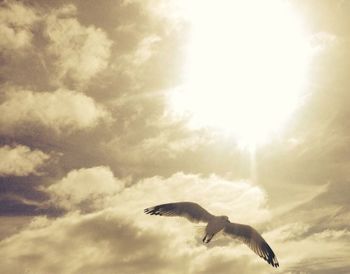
(116, 238)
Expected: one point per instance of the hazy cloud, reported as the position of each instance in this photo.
(323, 252)
(16, 21)
(61, 110)
(158, 148)
(20, 160)
(322, 40)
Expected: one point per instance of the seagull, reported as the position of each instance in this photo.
(195, 213)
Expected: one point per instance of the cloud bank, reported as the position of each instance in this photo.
(116, 234)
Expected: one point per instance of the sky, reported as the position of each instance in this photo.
(114, 106)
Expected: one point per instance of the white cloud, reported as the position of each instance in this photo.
(59, 110)
(239, 200)
(20, 160)
(81, 52)
(77, 52)
(90, 185)
(118, 235)
(104, 242)
(97, 188)
(16, 21)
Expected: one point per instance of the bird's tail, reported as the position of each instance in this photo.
(207, 238)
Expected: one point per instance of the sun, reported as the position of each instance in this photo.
(246, 68)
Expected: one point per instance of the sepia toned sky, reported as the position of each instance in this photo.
(109, 107)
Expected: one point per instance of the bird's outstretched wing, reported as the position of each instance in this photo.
(254, 240)
(192, 211)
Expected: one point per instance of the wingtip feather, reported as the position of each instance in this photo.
(152, 211)
(148, 210)
(273, 261)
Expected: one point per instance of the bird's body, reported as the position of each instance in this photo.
(215, 224)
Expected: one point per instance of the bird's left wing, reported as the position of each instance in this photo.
(192, 211)
(253, 239)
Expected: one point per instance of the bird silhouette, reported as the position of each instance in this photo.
(195, 213)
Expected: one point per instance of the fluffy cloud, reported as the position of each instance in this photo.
(80, 52)
(59, 110)
(66, 50)
(118, 235)
(98, 186)
(20, 160)
(122, 237)
(16, 21)
(95, 243)
(89, 186)
(104, 241)
(237, 199)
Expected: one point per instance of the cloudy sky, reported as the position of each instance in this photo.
(113, 106)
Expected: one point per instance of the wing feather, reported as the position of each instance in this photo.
(253, 239)
(191, 211)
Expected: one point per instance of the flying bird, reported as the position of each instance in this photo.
(195, 213)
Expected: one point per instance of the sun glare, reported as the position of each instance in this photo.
(245, 68)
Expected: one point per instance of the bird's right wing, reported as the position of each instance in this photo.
(192, 211)
(253, 239)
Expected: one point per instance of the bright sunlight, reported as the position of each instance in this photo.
(245, 69)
